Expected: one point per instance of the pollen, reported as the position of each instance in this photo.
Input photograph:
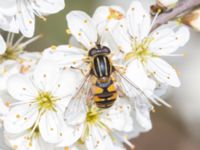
(24, 69)
(85, 21)
(7, 104)
(53, 47)
(69, 46)
(18, 116)
(106, 29)
(79, 34)
(30, 21)
(68, 31)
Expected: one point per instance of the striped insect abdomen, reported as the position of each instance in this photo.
(104, 93)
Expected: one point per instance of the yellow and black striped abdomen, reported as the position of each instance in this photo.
(104, 93)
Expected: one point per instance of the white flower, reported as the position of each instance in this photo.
(139, 45)
(19, 15)
(42, 98)
(99, 128)
(13, 58)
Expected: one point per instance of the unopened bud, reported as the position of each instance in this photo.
(192, 19)
(167, 4)
(163, 6)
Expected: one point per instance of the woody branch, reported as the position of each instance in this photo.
(181, 8)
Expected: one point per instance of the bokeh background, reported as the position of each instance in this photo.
(173, 129)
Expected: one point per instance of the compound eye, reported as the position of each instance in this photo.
(106, 49)
(92, 52)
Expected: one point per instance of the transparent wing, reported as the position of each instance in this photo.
(130, 89)
(76, 110)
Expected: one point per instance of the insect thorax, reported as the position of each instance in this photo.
(102, 66)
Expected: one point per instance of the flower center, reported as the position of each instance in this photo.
(46, 100)
(140, 51)
(92, 116)
(11, 54)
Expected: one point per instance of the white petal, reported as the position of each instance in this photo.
(3, 144)
(65, 55)
(7, 69)
(9, 23)
(48, 6)
(71, 135)
(142, 114)
(163, 72)
(138, 21)
(182, 36)
(107, 17)
(8, 7)
(21, 88)
(73, 41)
(118, 117)
(5, 101)
(122, 38)
(4, 109)
(98, 139)
(166, 41)
(108, 41)
(136, 73)
(81, 26)
(21, 118)
(52, 126)
(67, 83)
(2, 45)
(45, 75)
(39, 144)
(26, 18)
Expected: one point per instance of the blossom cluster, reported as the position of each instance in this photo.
(47, 99)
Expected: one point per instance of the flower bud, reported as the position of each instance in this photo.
(192, 19)
(167, 4)
(163, 6)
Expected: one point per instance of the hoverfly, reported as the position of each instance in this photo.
(103, 85)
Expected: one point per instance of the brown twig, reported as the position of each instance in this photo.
(180, 8)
